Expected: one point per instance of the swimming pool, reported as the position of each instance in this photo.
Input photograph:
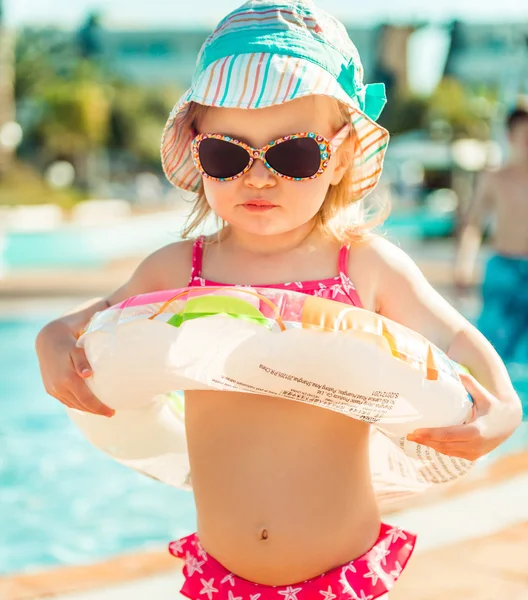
(62, 502)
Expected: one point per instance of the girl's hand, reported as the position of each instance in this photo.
(492, 422)
(63, 367)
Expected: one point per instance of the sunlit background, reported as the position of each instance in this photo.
(85, 89)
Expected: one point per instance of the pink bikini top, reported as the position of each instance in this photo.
(338, 288)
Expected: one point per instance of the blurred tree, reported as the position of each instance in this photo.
(74, 123)
(137, 118)
(452, 110)
(73, 108)
(467, 111)
(41, 57)
(404, 112)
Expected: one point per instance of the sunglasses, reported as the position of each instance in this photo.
(296, 157)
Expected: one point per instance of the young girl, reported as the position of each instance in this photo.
(277, 136)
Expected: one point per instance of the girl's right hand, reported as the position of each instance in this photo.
(64, 367)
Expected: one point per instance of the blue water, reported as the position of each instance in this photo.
(62, 502)
(84, 246)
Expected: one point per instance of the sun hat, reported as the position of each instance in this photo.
(268, 52)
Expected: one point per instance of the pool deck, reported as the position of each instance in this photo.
(480, 555)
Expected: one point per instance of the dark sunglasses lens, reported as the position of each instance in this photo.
(222, 159)
(295, 158)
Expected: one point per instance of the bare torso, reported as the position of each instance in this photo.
(509, 190)
(283, 489)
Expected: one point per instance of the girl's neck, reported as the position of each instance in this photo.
(270, 244)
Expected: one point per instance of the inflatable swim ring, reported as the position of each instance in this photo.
(148, 349)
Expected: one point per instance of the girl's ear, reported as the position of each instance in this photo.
(343, 158)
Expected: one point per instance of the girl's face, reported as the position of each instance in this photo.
(292, 204)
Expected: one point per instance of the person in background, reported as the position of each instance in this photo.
(501, 196)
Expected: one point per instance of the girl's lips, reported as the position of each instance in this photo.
(258, 205)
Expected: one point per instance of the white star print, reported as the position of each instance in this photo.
(254, 596)
(381, 554)
(397, 571)
(201, 551)
(343, 580)
(336, 290)
(364, 596)
(229, 578)
(349, 567)
(396, 533)
(176, 547)
(373, 572)
(347, 588)
(193, 564)
(231, 596)
(290, 593)
(328, 595)
(208, 588)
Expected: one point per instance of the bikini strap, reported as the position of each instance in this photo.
(197, 255)
(343, 261)
(346, 282)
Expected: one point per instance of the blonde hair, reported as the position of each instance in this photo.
(334, 218)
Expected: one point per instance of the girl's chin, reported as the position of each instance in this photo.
(263, 223)
(264, 227)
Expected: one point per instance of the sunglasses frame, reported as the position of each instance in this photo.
(326, 149)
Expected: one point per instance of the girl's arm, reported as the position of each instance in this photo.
(63, 365)
(404, 295)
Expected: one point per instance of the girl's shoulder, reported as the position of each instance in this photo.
(377, 251)
(169, 267)
(375, 265)
(398, 290)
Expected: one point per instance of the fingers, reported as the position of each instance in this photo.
(455, 433)
(65, 379)
(457, 448)
(72, 391)
(81, 391)
(80, 363)
(460, 450)
(75, 394)
(462, 441)
(86, 401)
(67, 400)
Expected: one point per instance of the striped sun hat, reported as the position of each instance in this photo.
(268, 52)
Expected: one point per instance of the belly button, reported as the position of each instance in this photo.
(264, 534)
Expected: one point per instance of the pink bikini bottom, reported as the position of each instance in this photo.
(365, 578)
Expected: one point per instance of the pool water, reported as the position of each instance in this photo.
(62, 502)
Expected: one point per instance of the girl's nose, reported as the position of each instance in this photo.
(259, 176)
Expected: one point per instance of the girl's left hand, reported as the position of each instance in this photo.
(492, 422)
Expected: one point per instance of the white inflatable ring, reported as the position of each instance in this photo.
(148, 349)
